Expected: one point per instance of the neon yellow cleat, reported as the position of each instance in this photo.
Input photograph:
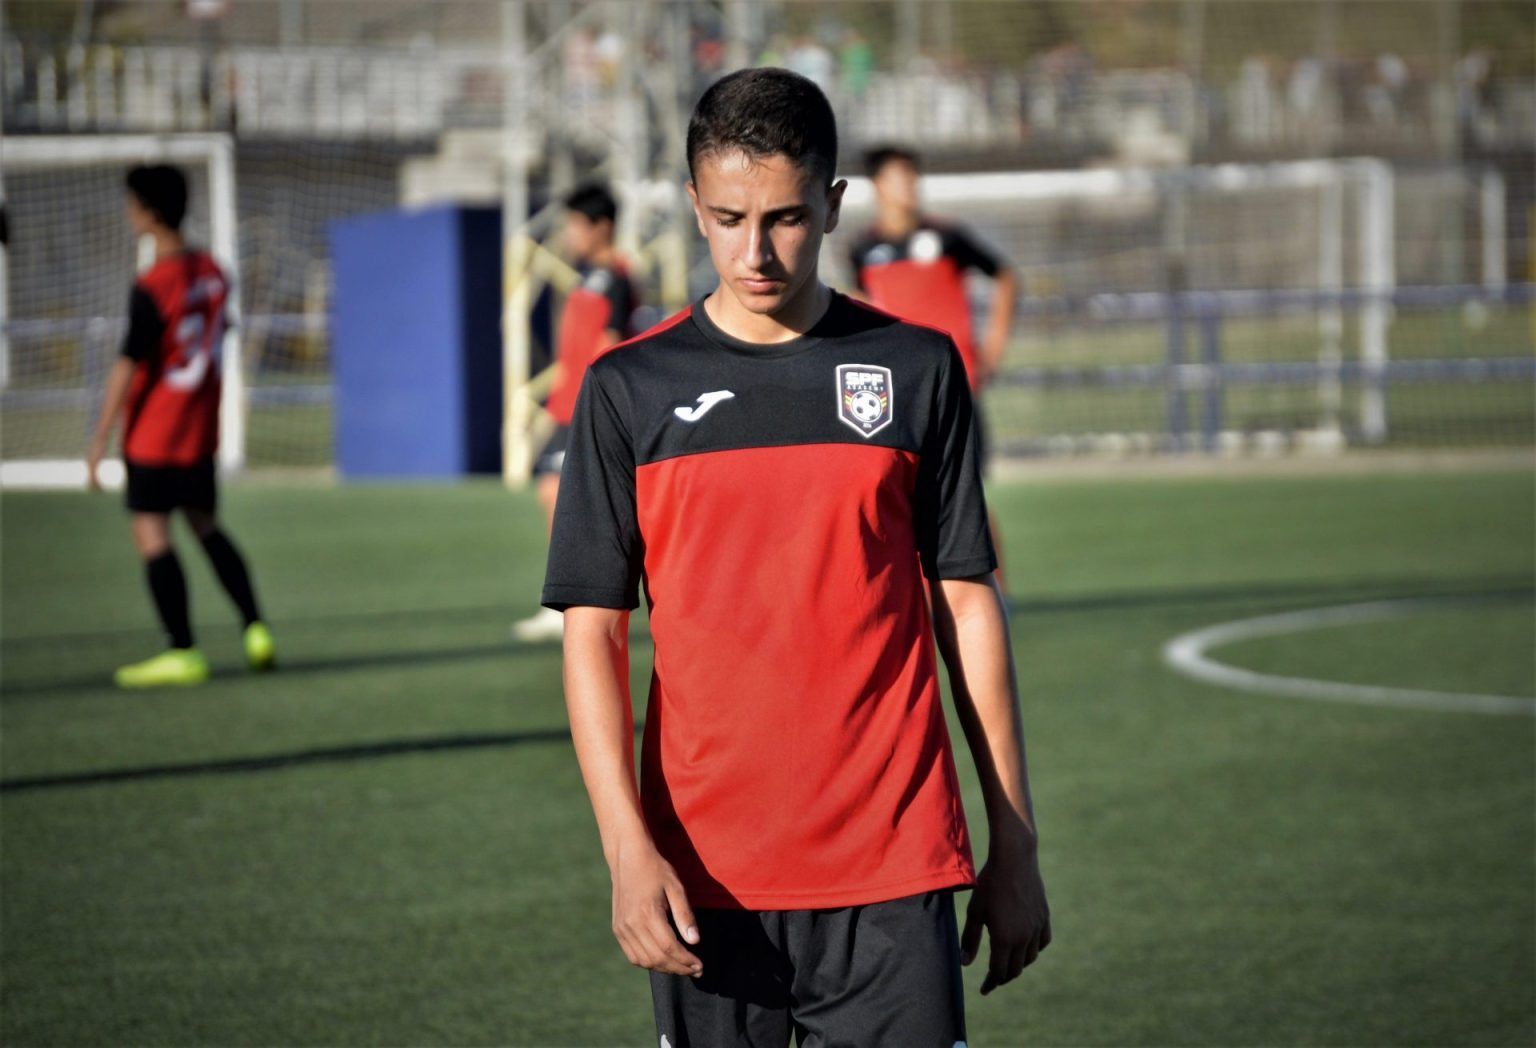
(260, 649)
(176, 667)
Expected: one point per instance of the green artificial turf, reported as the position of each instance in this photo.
(412, 860)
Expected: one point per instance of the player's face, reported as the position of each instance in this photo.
(584, 237)
(140, 219)
(764, 218)
(896, 185)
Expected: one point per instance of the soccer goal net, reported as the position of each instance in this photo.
(64, 285)
(1301, 305)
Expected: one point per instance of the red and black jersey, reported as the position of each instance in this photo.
(175, 332)
(921, 278)
(780, 505)
(604, 301)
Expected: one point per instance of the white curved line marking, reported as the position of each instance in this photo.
(1186, 654)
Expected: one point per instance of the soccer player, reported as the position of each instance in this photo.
(913, 265)
(785, 472)
(165, 384)
(596, 315)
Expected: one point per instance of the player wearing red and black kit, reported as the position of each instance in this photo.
(603, 302)
(792, 480)
(921, 277)
(597, 313)
(780, 506)
(171, 422)
(827, 475)
(166, 386)
(915, 266)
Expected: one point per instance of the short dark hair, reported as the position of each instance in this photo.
(875, 159)
(766, 112)
(593, 201)
(162, 189)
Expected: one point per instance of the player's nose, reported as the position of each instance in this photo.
(759, 249)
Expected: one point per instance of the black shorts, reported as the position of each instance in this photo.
(885, 973)
(553, 456)
(161, 489)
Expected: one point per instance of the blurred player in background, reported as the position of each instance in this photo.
(914, 265)
(783, 468)
(597, 314)
(166, 385)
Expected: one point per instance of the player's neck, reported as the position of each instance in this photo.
(793, 320)
(896, 222)
(168, 242)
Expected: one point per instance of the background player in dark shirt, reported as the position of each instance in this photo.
(778, 469)
(167, 379)
(596, 314)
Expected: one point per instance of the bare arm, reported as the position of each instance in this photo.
(645, 887)
(999, 323)
(1009, 900)
(118, 380)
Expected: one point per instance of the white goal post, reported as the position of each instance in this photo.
(36, 398)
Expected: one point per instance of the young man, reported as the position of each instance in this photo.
(914, 266)
(167, 377)
(596, 315)
(779, 467)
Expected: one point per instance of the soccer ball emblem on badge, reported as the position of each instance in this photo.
(864, 397)
(867, 406)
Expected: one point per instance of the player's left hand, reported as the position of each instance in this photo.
(1009, 902)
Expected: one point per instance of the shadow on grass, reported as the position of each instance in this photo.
(296, 667)
(1312, 591)
(294, 759)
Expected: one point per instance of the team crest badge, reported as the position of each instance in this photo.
(864, 397)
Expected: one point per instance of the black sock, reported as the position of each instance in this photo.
(231, 570)
(168, 586)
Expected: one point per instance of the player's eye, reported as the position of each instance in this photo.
(796, 219)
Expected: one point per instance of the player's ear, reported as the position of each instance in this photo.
(835, 203)
(693, 200)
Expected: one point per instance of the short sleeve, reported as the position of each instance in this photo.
(954, 540)
(969, 253)
(145, 326)
(621, 304)
(595, 550)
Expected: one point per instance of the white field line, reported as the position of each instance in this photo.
(1186, 654)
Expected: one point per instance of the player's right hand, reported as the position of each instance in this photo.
(646, 892)
(93, 467)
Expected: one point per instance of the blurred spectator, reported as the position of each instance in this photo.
(1384, 94)
(1474, 115)
(1304, 92)
(813, 62)
(583, 76)
(776, 53)
(608, 52)
(857, 60)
